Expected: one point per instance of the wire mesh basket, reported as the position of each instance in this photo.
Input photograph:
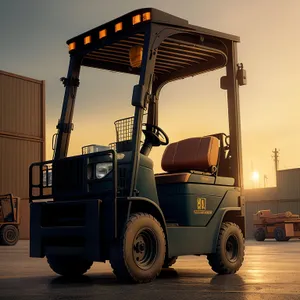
(113, 146)
(124, 129)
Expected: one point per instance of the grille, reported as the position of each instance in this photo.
(68, 177)
(54, 215)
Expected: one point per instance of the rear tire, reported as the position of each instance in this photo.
(230, 250)
(69, 266)
(259, 234)
(279, 234)
(170, 262)
(139, 254)
(9, 235)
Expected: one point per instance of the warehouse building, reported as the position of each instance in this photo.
(284, 197)
(22, 136)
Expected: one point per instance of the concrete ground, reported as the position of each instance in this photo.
(271, 271)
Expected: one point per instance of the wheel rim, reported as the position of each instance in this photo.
(10, 235)
(280, 234)
(145, 249)
(232, 248)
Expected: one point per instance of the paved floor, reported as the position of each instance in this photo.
(271, 271)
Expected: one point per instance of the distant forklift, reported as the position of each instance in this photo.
(107, 204)
(282, 226)
(9, 219)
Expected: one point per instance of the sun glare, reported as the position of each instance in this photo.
(255, 176)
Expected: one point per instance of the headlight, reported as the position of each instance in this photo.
(102, 169)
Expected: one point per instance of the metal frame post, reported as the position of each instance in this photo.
(234, 115)
(65, 125)
(146, 77)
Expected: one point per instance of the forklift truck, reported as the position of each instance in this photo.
(9, 219)
(107, 204)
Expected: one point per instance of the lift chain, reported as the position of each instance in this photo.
(70, 82)
(65, 127)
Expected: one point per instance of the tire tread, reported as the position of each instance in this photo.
(118, 261)
(215, 260)
(2, 238)
(68, 267)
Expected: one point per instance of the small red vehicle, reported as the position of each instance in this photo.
(282, 226)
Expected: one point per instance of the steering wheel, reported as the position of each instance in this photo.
(155, 135)
(227, 140)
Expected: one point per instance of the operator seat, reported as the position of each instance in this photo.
(193, 155)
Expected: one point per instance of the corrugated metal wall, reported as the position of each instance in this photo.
(22, 136)
(288, 182)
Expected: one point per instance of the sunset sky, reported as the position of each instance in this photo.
(33, 36)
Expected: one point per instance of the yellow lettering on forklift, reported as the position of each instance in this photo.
(201, 207)
(203, 212)
(201, 203)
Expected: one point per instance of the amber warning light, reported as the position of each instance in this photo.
(146, 16)
(136, 19)
(72, 46)
(102, 33)
(87, 40)
(136, 53)
(118, 27)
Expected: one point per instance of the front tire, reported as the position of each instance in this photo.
(230, 250)
(279, 234)
(259, 234)
(9, 235)
(139, 254)
(68, 266)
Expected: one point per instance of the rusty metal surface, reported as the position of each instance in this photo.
(22, 136)
(22, 106)
(276, 206)
(267, 216)
(24, 219)
(16, 157)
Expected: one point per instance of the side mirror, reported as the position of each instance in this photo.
(138, 96)
(241, 75)
(224, 83)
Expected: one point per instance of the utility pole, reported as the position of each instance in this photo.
(276, 161)
(276, 158)
(265, 181)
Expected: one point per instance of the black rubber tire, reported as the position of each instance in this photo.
(124, 256)
(230, 236)
(169, 262)
(259, 234)
(69, 266)
(9, 235)
(279, 235)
